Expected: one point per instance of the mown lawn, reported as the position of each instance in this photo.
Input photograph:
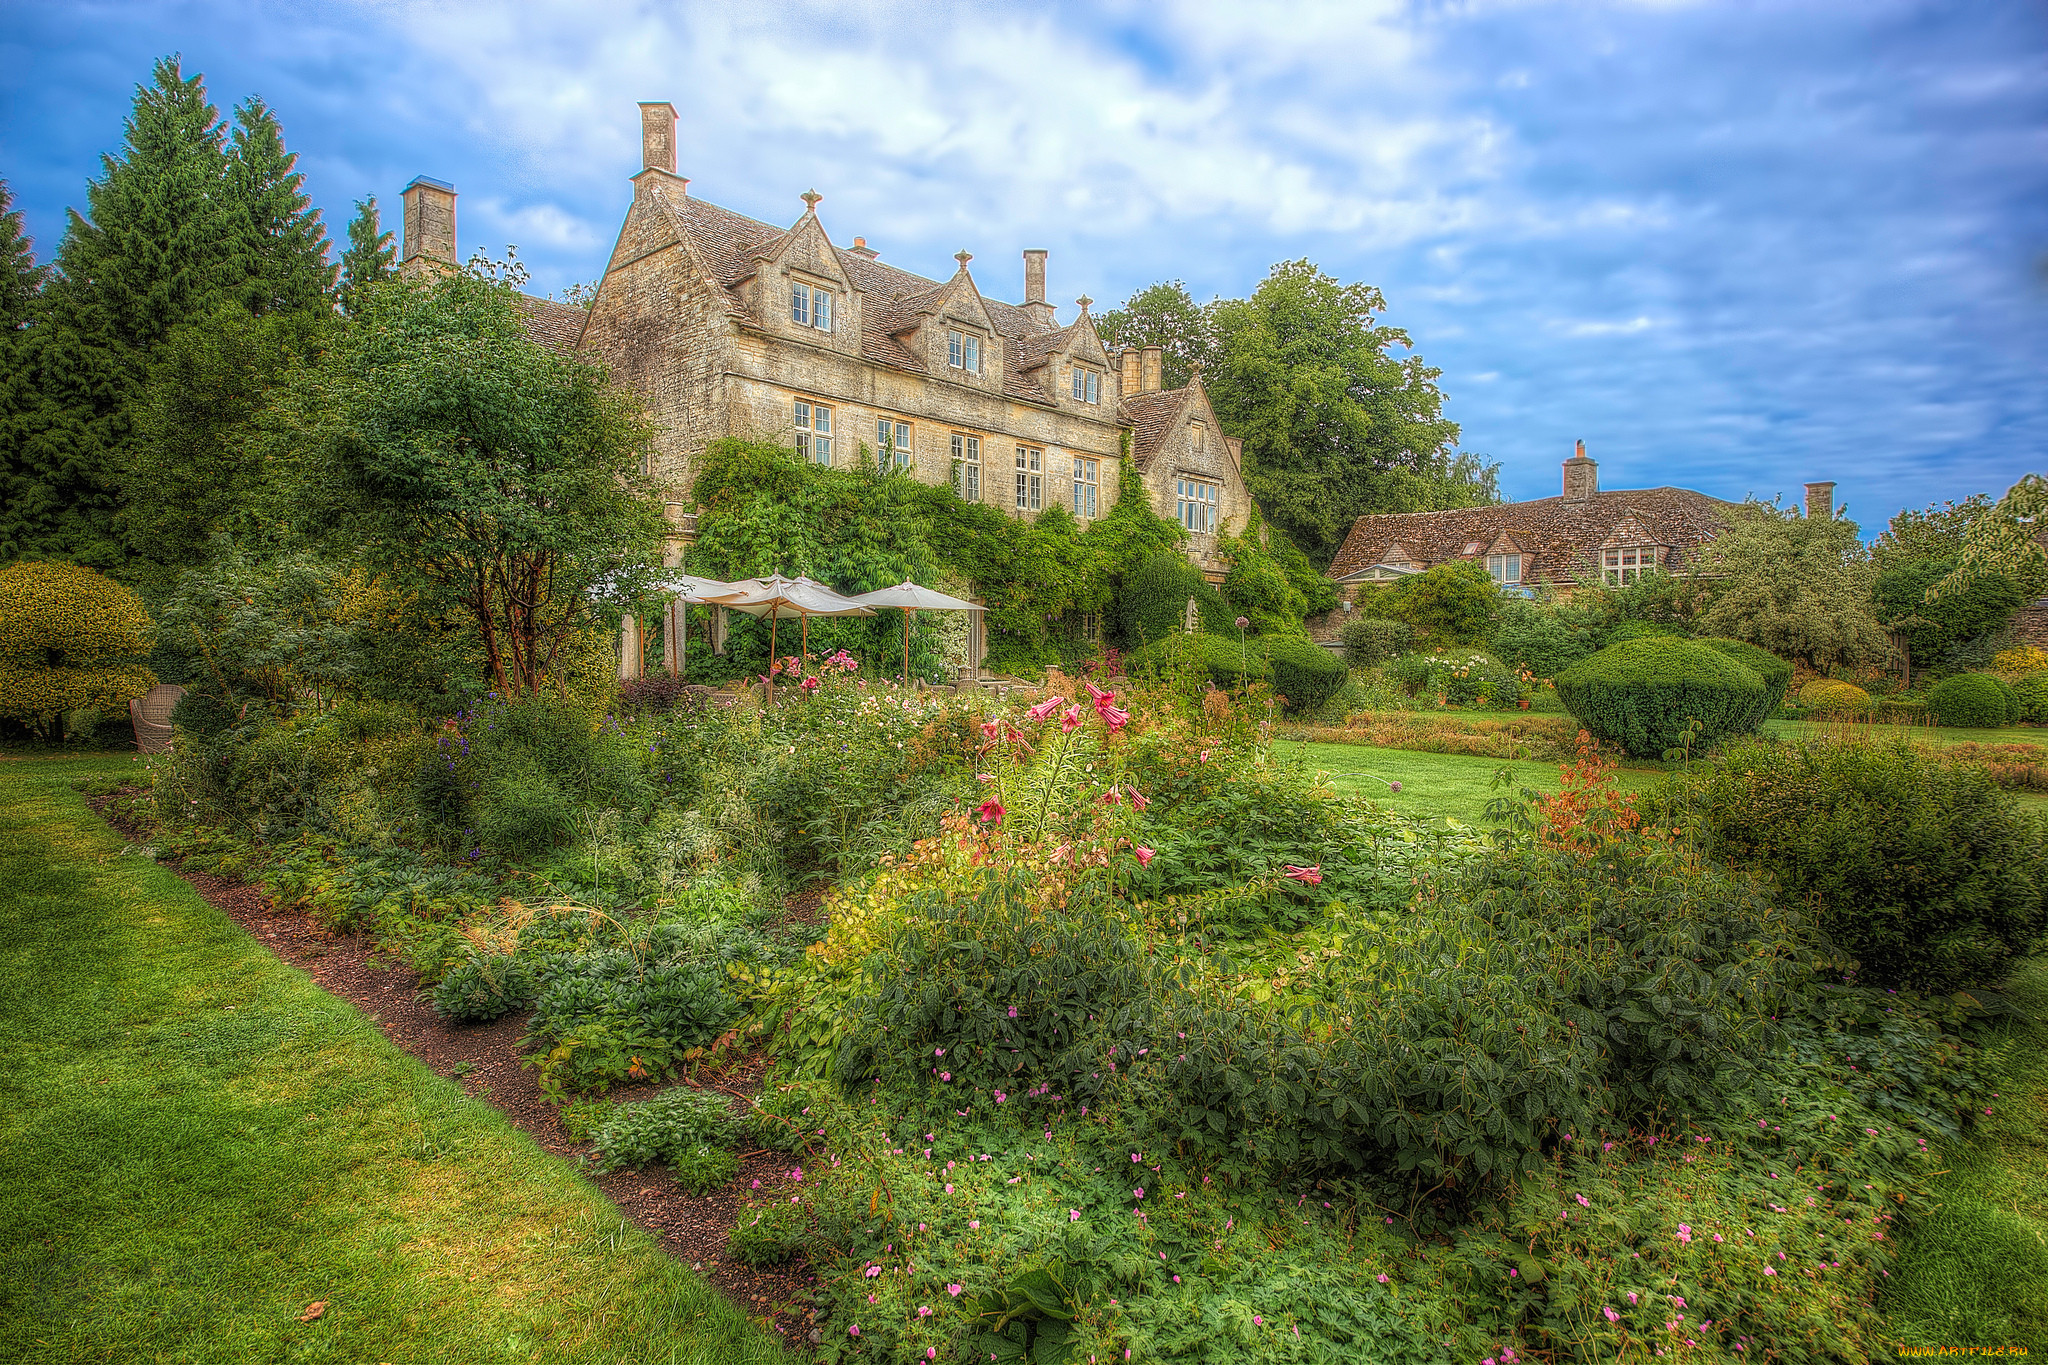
(1433, 786)
(1976, 1272)
(1919, 734)
(197, 1144)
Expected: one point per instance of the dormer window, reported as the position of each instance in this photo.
(1626, 563)
(1506, 570)
(963, 351)
(810, 307)
(1087, 385)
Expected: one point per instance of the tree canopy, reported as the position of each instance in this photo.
(1797, 586)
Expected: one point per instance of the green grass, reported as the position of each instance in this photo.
(1919, 734)
(196, 1143)
(1433, 786)
(1976, 1272)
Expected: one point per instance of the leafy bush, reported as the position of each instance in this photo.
(1224, 662)
(1832, 694)
(70, 640)
(2030, 690)
(2020, 659)
(1978, 611)
(486, 987)
(684, 1127)
(605, 1017)
(1305, 673)
(1776, 673)
(1968, 701)
(777, 1231)
(1643, 695)
(1922, 871)
(1154, 601)
(1459, 677)
(1370, 640)
(1543, 641)
(1454, 603)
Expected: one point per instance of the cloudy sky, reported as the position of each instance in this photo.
(1733, 246)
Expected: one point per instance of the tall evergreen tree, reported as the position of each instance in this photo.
(21, 293)
(370, 256)
(21, 279)
(282, 244)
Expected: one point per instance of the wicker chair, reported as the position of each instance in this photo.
(150, 714)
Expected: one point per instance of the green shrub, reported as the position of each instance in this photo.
(2030, 690)
(776, 1232)
(604, 1017)
(1644, 694)
(1833, 695)
(1453, 603)
(1304, 673)
(1543, 640)
(1221, 661)
(1968, 701)
(1153, 601)
(2012, 699)
(1460, 677)
(1370, 640)
(1924, 872)
(1776, 673)
(486, 987)
(522, 814)
(70, 640)
(683, 1126)
(1621, 632)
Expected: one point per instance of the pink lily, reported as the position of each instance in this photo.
(1312, 875)
(1045, 708)
(991, 811)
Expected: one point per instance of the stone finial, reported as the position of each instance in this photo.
(963, 256)
(811, 200)
(1083, 302)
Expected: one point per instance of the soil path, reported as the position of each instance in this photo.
(483, 1059)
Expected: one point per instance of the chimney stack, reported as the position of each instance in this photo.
(1130, 376)
(1581, 475)
(1152, 374)
(1820, 500)
(657, 136)
(860, 247)
(1034, 289)
(429, 225)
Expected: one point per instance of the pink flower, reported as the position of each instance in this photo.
(1393, 786)
(1145, 855)
(1073, 1215)
(1013, 1011)
(811, 683)
(1612, 1316)
(988, 729)
(1770, 1270)
(954, 1290)
(1138, 799)
(1139, 1192)
(1684, 1232)
(1631, 1297)
(1112, 797)
(991, 811)
(974, 1223)
(854, 1330)
(1242, 622)
(1045, 708)
(1583, 1201)
(1070, 719)
(1258, 1321)
(1312, 875)
(1096, 694)
(1116, 718)
(945, 1075)
(1383, 1279)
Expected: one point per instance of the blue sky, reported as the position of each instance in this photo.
(1733, 246)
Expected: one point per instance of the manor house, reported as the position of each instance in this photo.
(731, 327)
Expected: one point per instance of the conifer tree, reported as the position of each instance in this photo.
(21, 290)
(371, 254)
(282, 246)
(21, 279)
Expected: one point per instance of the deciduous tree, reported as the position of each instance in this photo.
(1797, 586)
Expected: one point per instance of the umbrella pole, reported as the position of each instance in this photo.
(908, 612)
(683, 641)
(772, 621)
(804, 632)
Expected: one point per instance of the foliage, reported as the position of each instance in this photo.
(1922, 872)
(603, 1018)
(2020, 659)
(1334, 423)
(1833, 694)
(369, 257)
(1796, 586)
(1459, 678)
(1225, 663)
(1163, 315)
(1776, 673)
(1305, 675)
(517, 774)
(69, 640)
(494, 477)
(1933, 630)
(1256, 586)
(1154, 598)
(1542, 639)
(2005, 540)
(683, 1127)
(2030, 690)
(1652, 695)
(1453, 603)
(485, 987)
(1370, 640)
(1938, 533)
(1968, 701)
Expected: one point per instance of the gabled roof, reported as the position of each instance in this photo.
(557, 326)
(1151, 417)
(1563, 537)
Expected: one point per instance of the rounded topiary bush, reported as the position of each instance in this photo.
(1643, 694)
(1776, 673)
(1968, 701)
(1226, 663)
(1832, 694)
(1305, 673)
(70, 640)
(1370, 640)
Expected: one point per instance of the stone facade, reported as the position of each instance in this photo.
(731, 327)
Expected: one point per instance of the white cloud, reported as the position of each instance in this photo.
(1595, 328)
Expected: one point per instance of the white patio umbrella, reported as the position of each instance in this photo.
(912, 599)
(778, 598)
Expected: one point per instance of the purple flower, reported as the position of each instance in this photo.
(1612, 1316)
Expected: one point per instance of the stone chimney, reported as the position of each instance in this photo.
(1034, 289)
(1129, 362)
(1153, 370)
(1820, 500)
(860, 247)
(1581, 475)
(657, 136)
(429, 226)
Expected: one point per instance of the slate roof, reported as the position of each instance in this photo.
(1559, 540)
(557, 326)
(1151, 417)
(729, 244)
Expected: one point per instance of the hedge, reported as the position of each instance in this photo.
(2032, 691)
(1305, 673)
(1642, 694)
(1371, 640)
(1968, 701)
(1776, 673)
(1832, 694)
(70, 640)
(1222, 660)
